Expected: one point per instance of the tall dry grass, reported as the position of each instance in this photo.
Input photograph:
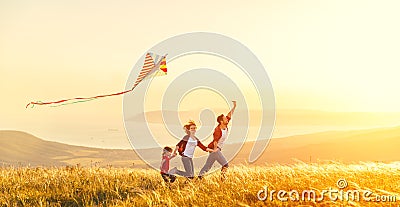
(132, 187)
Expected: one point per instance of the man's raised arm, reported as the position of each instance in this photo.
(233, 109)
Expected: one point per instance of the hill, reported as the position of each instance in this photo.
(20, 148)
(345, 146)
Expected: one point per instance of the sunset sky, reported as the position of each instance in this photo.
(319, 55)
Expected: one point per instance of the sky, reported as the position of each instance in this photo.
(319, 55)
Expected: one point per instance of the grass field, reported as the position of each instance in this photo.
(132, 187)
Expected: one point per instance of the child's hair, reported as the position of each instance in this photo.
(167, 149)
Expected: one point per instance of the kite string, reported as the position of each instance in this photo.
(68, 103)
(78, 99)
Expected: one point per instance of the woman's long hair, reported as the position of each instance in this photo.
(188, 125)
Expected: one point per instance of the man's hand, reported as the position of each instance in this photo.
(234, 103)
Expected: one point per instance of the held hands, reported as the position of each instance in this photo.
(173, 155)
(210, 150)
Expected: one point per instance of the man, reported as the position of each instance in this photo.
(220, 135)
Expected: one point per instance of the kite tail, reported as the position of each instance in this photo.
(75, 100)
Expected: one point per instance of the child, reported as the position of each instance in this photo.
(166, 156)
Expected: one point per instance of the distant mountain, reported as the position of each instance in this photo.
(20, 148)
(347, 146)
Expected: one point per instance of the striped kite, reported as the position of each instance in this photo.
(153, 65)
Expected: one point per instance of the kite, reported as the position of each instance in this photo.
(154, 65)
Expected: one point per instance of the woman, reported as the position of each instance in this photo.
(186, 148)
